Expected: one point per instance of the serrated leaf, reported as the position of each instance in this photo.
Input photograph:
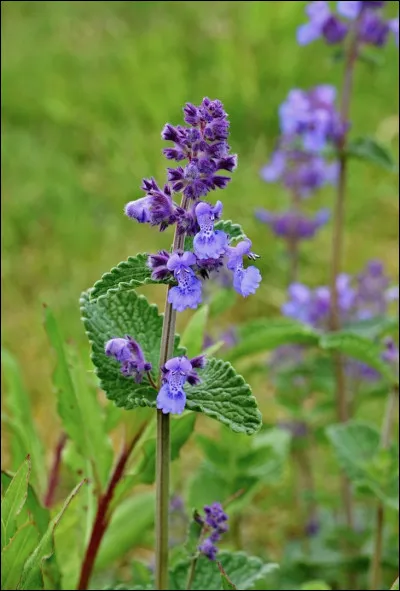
(222, 394)
(360, 348)
(181, 429)
(15, 554)
(234, 231)
(32, 574)
(244, 571)
(13, 501)
(26, 439)
(369, 150)
(193, 335)
(115, 315)
(128, 526)
(264, 335)
(128, 274)
(37, 513)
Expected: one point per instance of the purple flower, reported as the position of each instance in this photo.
(205, 148)
(313, 306)
(129, 353)
(158, 264)
(299, 171)
(373, 29)
(209, 243)
(176, 372)
(322, 23)
(297, 429)
(156, 208)
(187, 294)
(394, 27)
(209, 549)
(245, 281)
(312, 117)
(391, 352)
(215, 524)
(372, 293)
(292, 225)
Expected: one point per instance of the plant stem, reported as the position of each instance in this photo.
(54, 476)
(103, 514)
(390, 413)
(337, 254)
(163, 439)
(192, 570)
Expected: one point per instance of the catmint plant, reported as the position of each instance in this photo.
(135, 351)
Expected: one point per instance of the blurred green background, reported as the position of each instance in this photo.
(87, 88)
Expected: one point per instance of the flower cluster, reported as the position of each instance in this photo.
(175, 373)
(214, 525)
(363, 297)
(129, 354)
(294, 226)
(203, 145)
(363, 19)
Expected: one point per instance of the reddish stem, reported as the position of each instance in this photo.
(54, 476)
(103, 515)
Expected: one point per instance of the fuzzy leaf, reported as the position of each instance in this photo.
(126, 275)
(13, 501)
(32, 574)
(243, 572)
(118, 314)
(264, 335)
(369, 150)
(223, 394)
(15, 554)
(360, 348)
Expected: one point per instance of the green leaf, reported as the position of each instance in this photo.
(37, 513)
(13, 501)
(395, 585)
(181, 429)
(222, 394)
(128, 526)
(193, 335)
(315, 586)
(126, 275)
(373, 328)
(264, 335)
(357, 447)
(193, 534)
(225, 580)
(244, 571)
(115, 315)
(369, 150)
(15, 554)
(32, 574)
(67, 401)
(26, 439)
(234, 231)
(360, 348)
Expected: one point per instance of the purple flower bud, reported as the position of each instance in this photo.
(334, 31)
(373, 30)
(294, 226)
(158, 264)
(391, 353)
(208, 549)
(129, 353)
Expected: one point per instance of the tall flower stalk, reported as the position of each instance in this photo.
(202, 144)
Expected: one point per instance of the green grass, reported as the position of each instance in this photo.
(87, 88)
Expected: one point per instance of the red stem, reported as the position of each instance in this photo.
(54, 476)
(103, 515)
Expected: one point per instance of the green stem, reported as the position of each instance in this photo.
(163, 451)
(192, 570)
(379, 519)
